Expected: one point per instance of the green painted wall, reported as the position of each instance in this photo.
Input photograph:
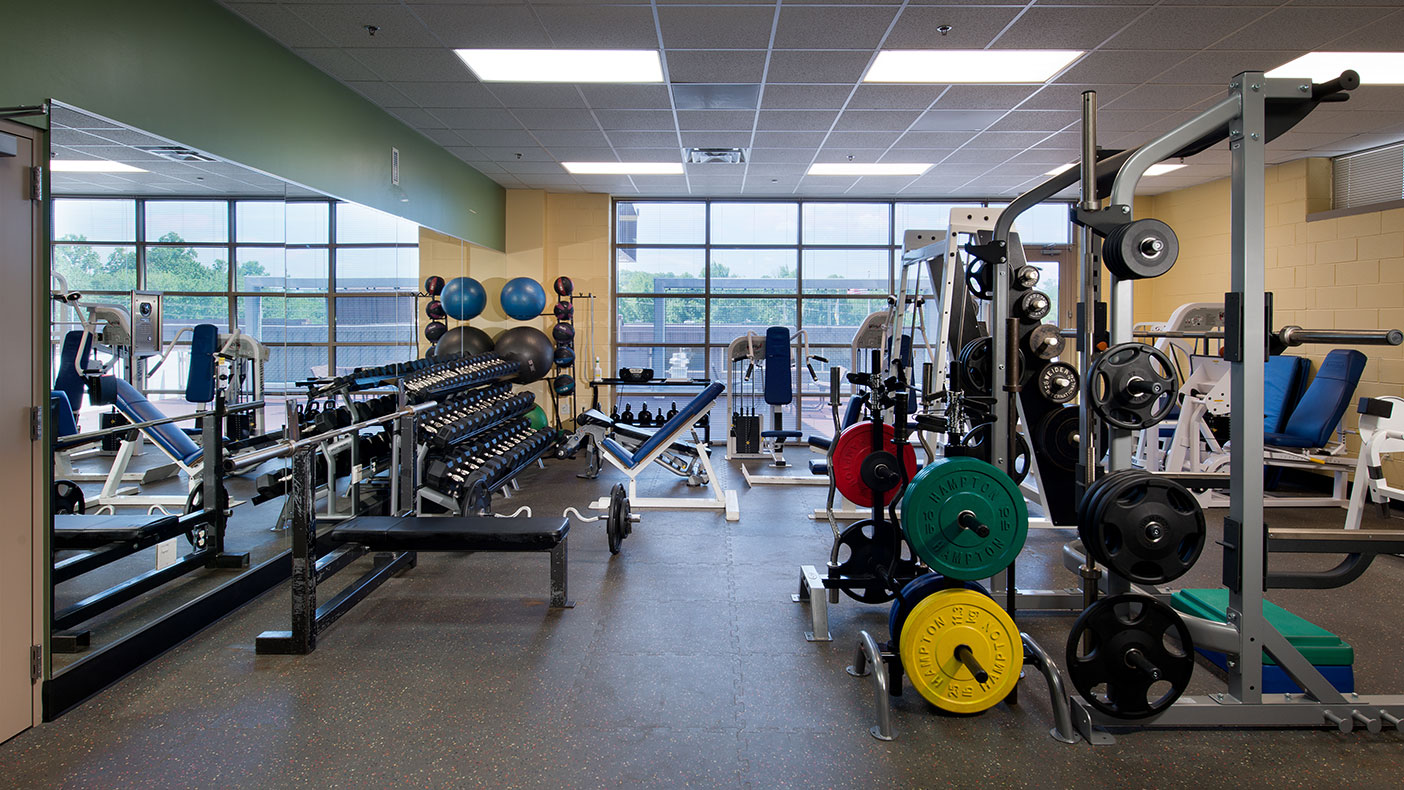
(194, 72)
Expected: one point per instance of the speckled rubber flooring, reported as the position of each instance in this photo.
(682, 665)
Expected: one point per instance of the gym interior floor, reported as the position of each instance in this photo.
(682, 664)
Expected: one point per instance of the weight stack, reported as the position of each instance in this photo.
(113, 441)
(747, 429)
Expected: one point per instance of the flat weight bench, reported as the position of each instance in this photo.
(79, 531)
(396, 539)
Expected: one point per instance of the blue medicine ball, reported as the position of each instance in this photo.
(523, 298)
(464, 298)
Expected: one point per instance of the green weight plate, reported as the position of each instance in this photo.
(944, 498)
(537, 418)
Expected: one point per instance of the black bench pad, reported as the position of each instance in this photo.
(453, 533)
(80, 531)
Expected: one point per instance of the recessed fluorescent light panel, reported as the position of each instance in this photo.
(1375, 68)
(563, 65)
(868, 169)
(624, 168)
(970, 66)
(90, 166)
(1161, 169)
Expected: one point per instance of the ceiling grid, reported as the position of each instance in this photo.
(1153, 63)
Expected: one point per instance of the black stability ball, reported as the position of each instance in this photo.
(530, 347)
(468, 340)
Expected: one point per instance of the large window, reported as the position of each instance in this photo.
(328, 286)
(691, 276)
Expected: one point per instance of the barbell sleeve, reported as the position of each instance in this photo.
(1137, 659)
(966, 656)
(968, 520)
(1296, 336)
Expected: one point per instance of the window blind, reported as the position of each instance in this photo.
(1367, 177)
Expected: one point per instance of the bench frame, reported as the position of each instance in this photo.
(309, 568)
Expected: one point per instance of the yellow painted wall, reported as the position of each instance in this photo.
(1343, 273)
(548, 235)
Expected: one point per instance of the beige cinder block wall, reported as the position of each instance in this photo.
(1341, 273)
(548, 235)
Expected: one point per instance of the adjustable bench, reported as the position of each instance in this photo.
(396, 539)
(633, 462)
(594, 426)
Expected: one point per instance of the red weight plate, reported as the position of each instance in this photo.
(853, 445)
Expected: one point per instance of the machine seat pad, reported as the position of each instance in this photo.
(82, 531)
(453, 533)
(782, 434)
(1289, 441)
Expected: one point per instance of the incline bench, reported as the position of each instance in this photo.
(396, 539)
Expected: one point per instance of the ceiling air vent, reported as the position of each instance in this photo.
(176, 153)
(716, 156)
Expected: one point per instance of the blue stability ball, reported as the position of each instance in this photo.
(523, 298)
(464, 298)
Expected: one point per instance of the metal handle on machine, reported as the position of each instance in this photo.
(1348, 81)
(1296, 336)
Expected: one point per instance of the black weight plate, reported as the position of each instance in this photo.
(1045, 341)
(1033, 305)
(1057, 437)
(979, 279)
(1026, 276)
(67, 498)
(1089, 512)
(976, 372)
(614, 521)
(1058, 382)
(975, 366)
(1150, 530)
(1117, 370)
(1141, 249)
(864, 552)
(977, 440)
(1114, 679)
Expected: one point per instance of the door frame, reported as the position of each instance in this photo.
(37, 139)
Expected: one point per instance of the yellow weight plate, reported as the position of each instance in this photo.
(931, 649)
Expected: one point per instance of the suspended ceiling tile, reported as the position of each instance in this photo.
(484, 26)
(713, 66)
(447, 94)
(344, 24)
(832, 27)
(971, 27)
(715, 27)
(598, 26)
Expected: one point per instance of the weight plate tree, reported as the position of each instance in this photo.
(965, 518)
(1130, 656)
(1132, 385)
(1145, 528)
(962, 652)
(858, 469)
